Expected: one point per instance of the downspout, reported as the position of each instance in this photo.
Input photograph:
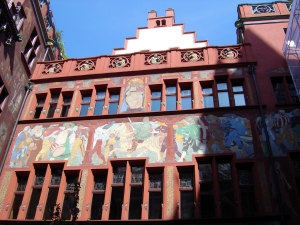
(28, 88)
(271, 157)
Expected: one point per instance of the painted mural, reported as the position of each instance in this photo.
(283, 129)
(3, 134)
(55, 142)
(212, 134)
(134, 95)
(130, 139)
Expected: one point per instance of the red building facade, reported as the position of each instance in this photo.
(27, 35)
(170, 132)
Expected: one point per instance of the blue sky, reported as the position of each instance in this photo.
(95, 27)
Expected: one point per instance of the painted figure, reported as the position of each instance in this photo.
(283, 130)
(81, 134)
(131, 139)
(189, 132)
(50, 143)
(134, 96)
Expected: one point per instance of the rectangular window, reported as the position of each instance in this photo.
(3, 95)
(67, 99)
(247, 191)
(32, 48)
(136, 192)
(279, 91)
(207, 93)
(19, 194)
(207, 206)
(186, 96)
(228, 206)
(155, 196)
(36, 192)
(40, 99)
(295, 158)
(100, 100)
(292, 90)
(171, 92)
(155, 98)
(186, 195)
(223, 94)
(85, 103)
(98, 196)
(72, 180)
(117, 193)
(113, 102)
(53, 104)
(238, 93)
(52, 193)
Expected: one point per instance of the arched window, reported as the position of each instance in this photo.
(158, 23)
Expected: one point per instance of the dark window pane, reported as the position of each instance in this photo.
(205, 172)
(171, 102)
(67, 99)
(186, 179)
(207, 205)
(39, 176)
(281, 97)
(16, 206)
(248, 201)
(155, 180)
(98, 107)
(51, 110)
(155, 104)
(34, 201)
(247, 192)
(84, 110)
(66, 212)
(227, 199)
(187, 204)
(38, 111)
(136, 196)
(22, 182)
(116, 203)
(137, 174)
(223, 99)
(186, 103)
(155, 200)
(208, 101)
(71, 182)
(96, 210)
(224, 171)
(119, 175)
(40, 101)
(113, 108)
(50, 203)
(54, 97)
(56, 176)
(65, 111)
(99, 182)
